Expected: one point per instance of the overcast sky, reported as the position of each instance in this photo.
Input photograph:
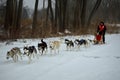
(31, 3)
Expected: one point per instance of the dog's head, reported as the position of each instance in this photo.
(76, 41)
(26, 49)
(31, 49)
(67, 41)
(90, 40)
(51, 45)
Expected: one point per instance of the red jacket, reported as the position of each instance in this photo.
(101, 29)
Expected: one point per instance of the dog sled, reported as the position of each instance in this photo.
(98, 39)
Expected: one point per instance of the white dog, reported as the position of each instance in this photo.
(69, 44)
(55, 46)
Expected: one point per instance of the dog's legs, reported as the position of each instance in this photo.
(67, 48)
(85, 45)
(39, 52)
(78, 47)
(29, 59)
(33, 54)
(20, 54)
(55, 51)
(72, 48)
(21, 57)
(36, 55)
(58, 50)
(46, 51)
(50, 50)
(15, 58)
(88, 44)
(42, 51)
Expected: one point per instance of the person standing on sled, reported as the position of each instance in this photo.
(101, 30)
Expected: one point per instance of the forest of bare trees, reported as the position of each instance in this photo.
(76, 16)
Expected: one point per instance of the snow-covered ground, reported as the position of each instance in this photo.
(96, 62)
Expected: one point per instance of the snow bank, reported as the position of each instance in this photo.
(97, 62)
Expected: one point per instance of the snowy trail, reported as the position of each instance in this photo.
(97, 62)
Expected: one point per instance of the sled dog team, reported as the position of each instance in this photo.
(54, 47)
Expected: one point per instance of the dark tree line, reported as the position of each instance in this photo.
(59, 15)
(13, 18)
(75, 10)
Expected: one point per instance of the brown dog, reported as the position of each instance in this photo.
(14, 53)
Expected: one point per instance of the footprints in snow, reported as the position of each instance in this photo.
(97, 57)
(117, 57)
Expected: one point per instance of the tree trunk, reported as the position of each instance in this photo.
(34, 24)
(97, 4)
(60, 29)
(83, 13)
(8, 17)
(56, 17)
(19, 16)
(62, 14)
(76, 20)
(14, 16)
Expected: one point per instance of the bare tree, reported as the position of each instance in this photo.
(10, 18)
(50, 15)
(34, 24)
(56, 17)
(97, 4)
(62, 14)
(19, 16)
(76, 21)
(83, 12)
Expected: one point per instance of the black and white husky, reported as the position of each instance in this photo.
(81, 42)
(42, 47)
(14, 53)
(69, 44)
(30, 51)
